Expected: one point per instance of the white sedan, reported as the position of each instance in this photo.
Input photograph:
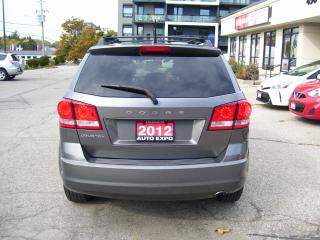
(277, 90)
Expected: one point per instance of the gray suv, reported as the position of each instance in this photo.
(160, 119)
(10, 66)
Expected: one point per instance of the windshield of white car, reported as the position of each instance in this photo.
(305, 69)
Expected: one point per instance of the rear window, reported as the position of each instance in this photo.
(14, 57)
(164, 76)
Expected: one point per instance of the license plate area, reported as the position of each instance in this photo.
(259, 94)
(154, 131)
(293, 105)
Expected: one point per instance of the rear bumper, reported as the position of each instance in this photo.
(13, 71)
(177, 182)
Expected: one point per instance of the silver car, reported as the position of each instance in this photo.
(10, 66)
(162, 120)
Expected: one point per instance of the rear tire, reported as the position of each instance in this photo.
(76, 197)
(231, 197)
(3, 75)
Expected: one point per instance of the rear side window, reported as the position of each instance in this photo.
(164, 76)
(2, 57)
(14, 57)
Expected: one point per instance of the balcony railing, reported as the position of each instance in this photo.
(183, 18)
(235, 2)
(150, 18)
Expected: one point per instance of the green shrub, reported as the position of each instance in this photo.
(44, 61)
(26, 67)
(241, 71)
(33, 63)
(233, 64)
(252, 72)
(51, 63)
(59, 60)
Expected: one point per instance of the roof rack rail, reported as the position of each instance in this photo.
(195, 40)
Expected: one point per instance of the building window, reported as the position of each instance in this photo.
(204, 12)
(140, 30)
(127, 10)
(255, 49)
(204, 31)
(160, 30)
(223, 13)
(140, 10)
(127, 30)
(289, 48)
(269, 49)
(242, 49)
(178, 11)
(233, 46)
(159, 10)
(177, 30)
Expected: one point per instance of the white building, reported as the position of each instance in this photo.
(280, 33)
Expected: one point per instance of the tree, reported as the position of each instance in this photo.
(110, 33)
(73, 26)
(89, 37)
(77, 38)
(28, 43)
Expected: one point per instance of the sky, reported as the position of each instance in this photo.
(22, 13)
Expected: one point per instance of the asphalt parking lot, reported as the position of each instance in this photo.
(281, 198)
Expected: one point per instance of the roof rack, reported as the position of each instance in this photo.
(176, 39)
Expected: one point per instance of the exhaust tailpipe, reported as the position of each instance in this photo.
(219, 195)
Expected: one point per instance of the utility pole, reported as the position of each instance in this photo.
(41, 19)
(4, 28)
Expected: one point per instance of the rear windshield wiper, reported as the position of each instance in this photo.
(132, 89)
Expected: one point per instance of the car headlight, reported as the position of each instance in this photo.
(282, 85)
(314, 93)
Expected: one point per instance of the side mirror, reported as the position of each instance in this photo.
(318, 77)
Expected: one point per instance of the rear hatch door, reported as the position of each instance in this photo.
(187, 87)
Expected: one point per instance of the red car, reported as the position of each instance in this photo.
(305, 100)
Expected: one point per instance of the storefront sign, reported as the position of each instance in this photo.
(251, 19)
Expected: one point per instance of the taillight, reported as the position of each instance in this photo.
(230, 116)
(154, 50)
(12, 62)
(78, 115)
(243, 115)
(65, 111)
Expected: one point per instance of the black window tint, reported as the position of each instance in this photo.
(14, 57)
(171, 77)
(2, 57)
(315, 75)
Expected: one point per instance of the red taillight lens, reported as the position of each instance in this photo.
(78, 115)
(12, 62)
(230, 116)
(65, 111)
(154, 50)
(86, 116)
(243, 115)
(223, 117)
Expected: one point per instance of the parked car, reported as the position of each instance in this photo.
(10, 66)
(277, 90)
(154, 121)
(305, 100)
